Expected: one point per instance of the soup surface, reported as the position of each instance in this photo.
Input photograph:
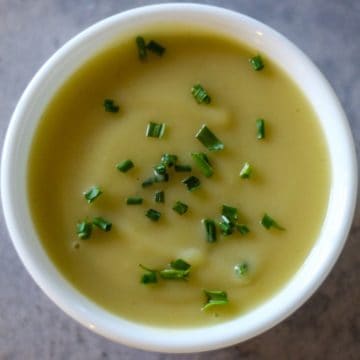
(78, 144)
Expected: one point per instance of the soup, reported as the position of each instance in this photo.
(207, 236)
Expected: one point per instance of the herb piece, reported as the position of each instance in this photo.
(260, 129)
(160, 173)
(92, 194)
(241, 269)
(192, 183)
(180, 264)
(215, 297)
(230, 214)
(134, 200)
(183, 168)
(168, 160)
(148, 182)
(173, 274)
(226, 227)
(242, 229)
(159, 196)
(155, 130)
(200, 94)
(208, 139)
(140, 42)
(155, 47)
(210, 230)
(256, 63)
(153, 215)
(180, 208)
(110, 106)
(102, 224)
(84, 229)
(202, 161)
(268, 222)
(246, 171)
(125, 165)
(150, 277)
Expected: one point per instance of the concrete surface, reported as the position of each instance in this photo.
(326, 327)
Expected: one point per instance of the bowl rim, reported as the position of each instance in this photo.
(343, 193)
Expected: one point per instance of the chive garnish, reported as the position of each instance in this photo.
(268, 222)
(215, 297)
(159, 196)
(256, 63)
(140, 42)
(180, 264)
(93, 193)
(102, 224)
(125, 165)
(229, 214)
(134, 200)
(242, 229)
(155, 130)
(168, 160)
(226, 227)
(260, 129)
(210, 230)
(192, 183)
(202, 162)
(150, 277)
(153, 215)
(179, 269)
(180, 208)
(183, 168)
(110, 106)
(160, 169)
(84, 229)
(241, 269)
(246, 171)
(208, 139)
(155, 47)
(148, 182)
(200, 94)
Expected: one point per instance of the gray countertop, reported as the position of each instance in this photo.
(326, 327)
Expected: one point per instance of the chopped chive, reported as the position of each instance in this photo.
(215, 297)
(183, 168)
(155, 47)
(110, 106)
(242, 229)
(260, 129)
(268, 222)
(246, 171)
(226, 227)
(180, 264)
(155, 130)
(256, 63)
(160, 169)
(208, 139)
(241, 269)
(210, 230)
(84, 229)
(161, 178)
(229, 213)
(102, 224)
(125, 165)
(93, 193)
(173, 274)
(192, 183)
(150, 277)
(180, 208)
(168, 160)
(200, 94)
(134, 200)
(153, 215)
(148, 182)
(159, 196)
(202, 161)
(140, 42)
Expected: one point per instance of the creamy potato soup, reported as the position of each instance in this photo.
(178, 178)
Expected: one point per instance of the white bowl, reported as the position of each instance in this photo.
(319, 261)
